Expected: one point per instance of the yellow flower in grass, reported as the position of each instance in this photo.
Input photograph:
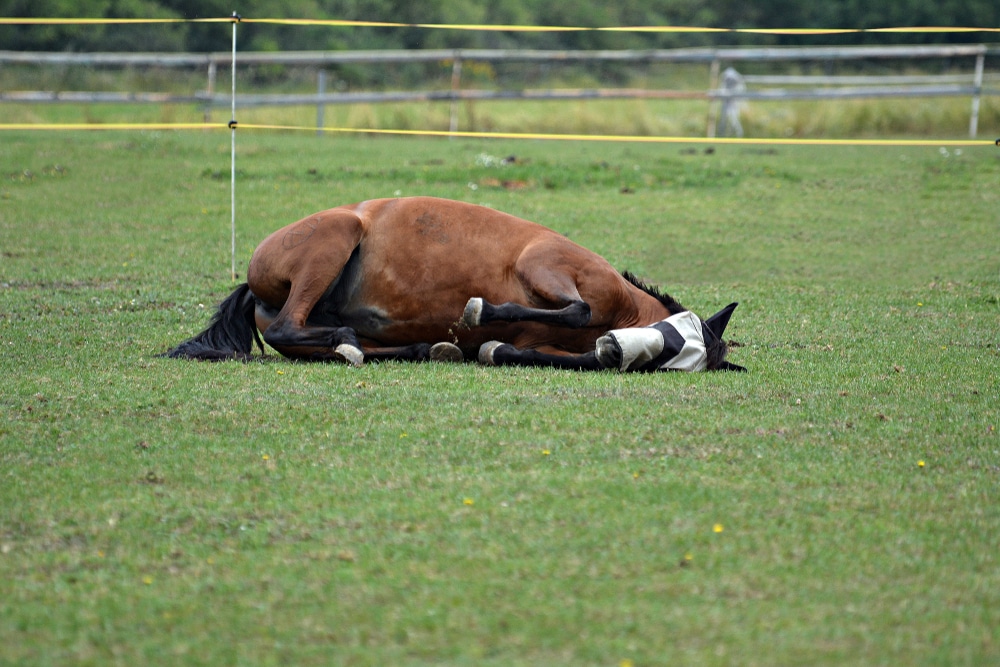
(717, 528)
(468, 501)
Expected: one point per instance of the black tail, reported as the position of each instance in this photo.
(230, 335)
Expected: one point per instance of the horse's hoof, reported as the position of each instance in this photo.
(473, 312)
(486, 351)
(350, 354)
(447, 352)
(609, 351)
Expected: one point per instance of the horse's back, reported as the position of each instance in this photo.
(440, 242)
(411, 227)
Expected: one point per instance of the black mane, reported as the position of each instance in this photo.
(669, 302)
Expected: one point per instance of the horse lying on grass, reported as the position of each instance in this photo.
(421, 278)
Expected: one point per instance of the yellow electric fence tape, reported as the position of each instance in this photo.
(9, 20)
(632, 138)
(536, 136)
(111, 126)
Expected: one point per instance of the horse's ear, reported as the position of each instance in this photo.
(717, 323)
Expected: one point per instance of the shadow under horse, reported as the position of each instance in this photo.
(421, 278)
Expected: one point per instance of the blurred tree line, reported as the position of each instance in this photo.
(585, 13)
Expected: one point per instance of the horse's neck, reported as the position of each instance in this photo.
(649, 309)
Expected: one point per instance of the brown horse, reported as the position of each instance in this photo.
(422, 278)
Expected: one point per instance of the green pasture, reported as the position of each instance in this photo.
(838, 504)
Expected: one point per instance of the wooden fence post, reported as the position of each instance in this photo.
(320, 107)
(713, 84)
(977, 82)
(456, 83)
(210, 90)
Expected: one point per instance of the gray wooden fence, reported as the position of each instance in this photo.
(758, 88)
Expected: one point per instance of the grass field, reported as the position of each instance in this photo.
(835, 505)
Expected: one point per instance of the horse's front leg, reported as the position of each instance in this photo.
(495, 353)
(479, 312)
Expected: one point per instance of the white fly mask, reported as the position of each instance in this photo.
(677, 343)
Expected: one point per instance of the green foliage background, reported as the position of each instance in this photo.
(585, 13)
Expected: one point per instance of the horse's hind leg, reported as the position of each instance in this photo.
(292, 270)
(344, 347)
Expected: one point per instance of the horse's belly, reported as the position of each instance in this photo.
(404, 321)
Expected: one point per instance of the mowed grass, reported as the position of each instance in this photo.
(835, 505)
